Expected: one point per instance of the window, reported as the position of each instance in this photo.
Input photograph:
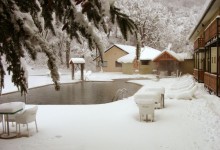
(145, 62)
(117, 64)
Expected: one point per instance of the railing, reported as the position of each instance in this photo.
(195, 73)
(213, 30)
(210, 81)
(199, 75)
(199, 43)
(120, 94)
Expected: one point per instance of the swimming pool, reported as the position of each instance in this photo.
(74, 93)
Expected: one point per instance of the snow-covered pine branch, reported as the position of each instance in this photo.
(23, 21)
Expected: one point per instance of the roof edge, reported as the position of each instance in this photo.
(117, 47)
(201, 19)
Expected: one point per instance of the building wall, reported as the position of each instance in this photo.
(147, 69)
(111, 57)
(127, 68)
(187, 66)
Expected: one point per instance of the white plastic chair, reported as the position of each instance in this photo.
(11, 118)
(158, 101)
(28, 116)
(146, 105)
(146, 111)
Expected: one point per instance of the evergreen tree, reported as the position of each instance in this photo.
(22, 21)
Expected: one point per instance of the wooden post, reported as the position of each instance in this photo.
(25, 98)
(82, 75)
(217, 58)
(72, 71)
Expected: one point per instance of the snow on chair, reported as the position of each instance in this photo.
(160, 90)
(11, 117)
(146, 104)
(28, 116)
(183, 88)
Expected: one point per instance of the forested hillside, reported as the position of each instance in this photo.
(160, 23)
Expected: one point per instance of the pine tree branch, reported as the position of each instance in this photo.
(22, 30)
(125, 24)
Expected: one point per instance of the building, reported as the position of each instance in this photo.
(147, 54)
(122, 58)
(145, 65)
(111, 55)
(206, 38)
(170, 63)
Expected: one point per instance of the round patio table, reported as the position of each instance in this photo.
(10, 109)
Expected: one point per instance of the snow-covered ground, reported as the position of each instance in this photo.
(181, 125)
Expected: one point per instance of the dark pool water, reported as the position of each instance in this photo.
(74, 93)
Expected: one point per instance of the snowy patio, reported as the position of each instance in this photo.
(182, 124)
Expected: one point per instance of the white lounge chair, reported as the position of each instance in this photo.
(28, 116)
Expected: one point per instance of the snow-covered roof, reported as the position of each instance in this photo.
(175, 55)
(129, 58)
(127, 48)
(148, 53)
(77, 60)
(178, 57)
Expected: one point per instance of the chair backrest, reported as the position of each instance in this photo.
(28, 115)
(32, 110)
(31, 113)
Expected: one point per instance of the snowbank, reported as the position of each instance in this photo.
(182, 88)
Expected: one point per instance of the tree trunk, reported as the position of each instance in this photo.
(67, 53)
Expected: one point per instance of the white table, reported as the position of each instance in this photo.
(10, 109)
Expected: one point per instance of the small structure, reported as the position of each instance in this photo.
(122, 58)
(144, 65)
(111, 55)
(77, 63)
(168, 62)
